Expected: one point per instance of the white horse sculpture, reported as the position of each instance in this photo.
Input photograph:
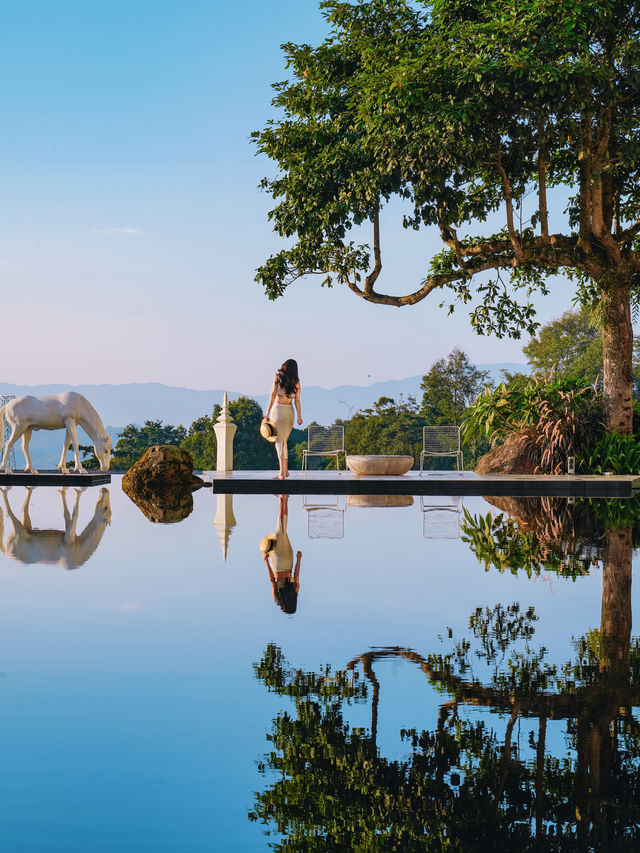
(66, 548)
(61, 411)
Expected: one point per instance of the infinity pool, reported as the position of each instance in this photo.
(447, 676)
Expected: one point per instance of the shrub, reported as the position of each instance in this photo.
(613, 452)
(560, 418)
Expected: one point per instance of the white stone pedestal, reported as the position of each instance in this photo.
(225, 431)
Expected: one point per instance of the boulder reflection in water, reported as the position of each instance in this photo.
(160, 484)
(165, 506)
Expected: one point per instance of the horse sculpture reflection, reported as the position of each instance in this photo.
(65, 548)
(62, 411)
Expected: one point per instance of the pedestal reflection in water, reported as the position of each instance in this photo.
(224, 521)
(478, 691)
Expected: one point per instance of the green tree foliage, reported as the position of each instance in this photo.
(569, 346)
(135, 440)
(386, 428)
(515, 380)
(200, 442)
(395, 428)
(250, 451)
(572, 346)
(449, 387)
(89, 458)
(464, 110)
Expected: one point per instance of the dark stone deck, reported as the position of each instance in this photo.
(431, 483)
(55, 478)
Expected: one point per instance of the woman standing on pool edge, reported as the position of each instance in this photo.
(285, 390)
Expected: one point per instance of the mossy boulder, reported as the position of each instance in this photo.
(518, 455)
(161, 466)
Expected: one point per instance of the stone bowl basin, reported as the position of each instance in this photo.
(379, 466)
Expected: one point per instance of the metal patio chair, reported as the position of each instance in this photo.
(324, 441)
(441, 441)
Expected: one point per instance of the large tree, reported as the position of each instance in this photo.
(466, 111)
(388, 427)
(449, 387)
(572, 346)
(134, 441)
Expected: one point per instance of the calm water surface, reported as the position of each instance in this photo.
(157, 697)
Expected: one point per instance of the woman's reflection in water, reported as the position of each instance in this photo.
(278, 556)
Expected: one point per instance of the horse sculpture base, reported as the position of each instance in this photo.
(55, 478)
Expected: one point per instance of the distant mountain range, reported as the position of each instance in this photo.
(136, 402)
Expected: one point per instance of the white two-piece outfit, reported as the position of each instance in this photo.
(282, 418)
(282, 554)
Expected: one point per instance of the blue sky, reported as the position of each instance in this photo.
(131, 223)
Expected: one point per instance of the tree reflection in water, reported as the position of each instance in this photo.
(464, 786)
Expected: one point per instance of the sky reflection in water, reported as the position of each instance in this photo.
(132, 715)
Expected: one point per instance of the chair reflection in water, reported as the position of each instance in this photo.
(441, 519)
(66, 548)
(325, 519)
(278, 556)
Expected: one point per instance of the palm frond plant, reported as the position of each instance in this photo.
(612, 453)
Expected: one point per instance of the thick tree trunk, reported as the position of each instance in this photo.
(617, 351)
(615, 624)
(596, 743)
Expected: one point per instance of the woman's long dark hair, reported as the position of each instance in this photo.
(287, 596)
(287, 377)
